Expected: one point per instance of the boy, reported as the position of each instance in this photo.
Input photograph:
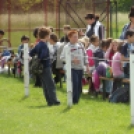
(126, 49)
(42, 51)
(66, 29)
(24, 39)
(78, 60)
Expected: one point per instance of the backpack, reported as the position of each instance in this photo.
(36, 67)
(109, 73)
(121, 95)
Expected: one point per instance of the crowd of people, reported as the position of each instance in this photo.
(91, 53)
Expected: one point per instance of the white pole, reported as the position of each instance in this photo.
(132, 87)
(69, 81)
(26, 69)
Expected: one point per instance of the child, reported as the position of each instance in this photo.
(38, 82)
(77, 63)
(93, 47)
(101, 67)
(66, 29)
(111, 51)
(24, 39)
(85, 42)
(42, 51)
(53, 55)
(116, 63)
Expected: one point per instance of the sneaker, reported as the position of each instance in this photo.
(54, 104)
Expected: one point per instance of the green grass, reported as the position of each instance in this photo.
(21, 115)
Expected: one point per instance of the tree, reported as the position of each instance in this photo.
(124, 5)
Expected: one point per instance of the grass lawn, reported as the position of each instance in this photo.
(20, 115)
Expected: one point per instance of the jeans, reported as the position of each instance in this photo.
(49, 88)
(77, 84)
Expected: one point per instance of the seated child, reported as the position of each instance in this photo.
(117, 67)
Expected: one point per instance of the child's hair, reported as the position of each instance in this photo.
(108, 42)
(24, 37)
(32, 45)
(93, 38)
(119, 47)
(35, 32)
(97, 17)
(51, 29)
(54, 37)
(71, 33)
(84, 40)
(103, 43)
(43, 32)
(129, 33)
(67, 27)
(2, 32)
(131, 14)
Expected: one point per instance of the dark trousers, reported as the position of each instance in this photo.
(56, 72)
(38, 82)
(77, 84)
(49, 88)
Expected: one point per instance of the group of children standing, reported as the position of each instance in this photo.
(90, 53)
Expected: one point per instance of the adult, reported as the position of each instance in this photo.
(42, 51)
(129, 25)
(94, 27)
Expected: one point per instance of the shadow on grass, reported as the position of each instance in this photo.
(23, 98)
(67, 109)
(93, 98)
(130, 127)
(38, 107)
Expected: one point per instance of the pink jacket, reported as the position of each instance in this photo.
(90, 55)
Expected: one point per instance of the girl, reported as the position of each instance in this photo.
(116, 63)
(78, 58)
(111, 51)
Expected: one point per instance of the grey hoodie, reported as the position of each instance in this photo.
(77, 51)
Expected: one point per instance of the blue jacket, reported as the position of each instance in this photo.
(123, 34)
(42, 51)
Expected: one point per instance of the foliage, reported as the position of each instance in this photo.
(124, 5)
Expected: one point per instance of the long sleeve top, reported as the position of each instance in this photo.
(42, 51)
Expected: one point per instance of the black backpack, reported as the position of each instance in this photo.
(121, 95)
(35, 66)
